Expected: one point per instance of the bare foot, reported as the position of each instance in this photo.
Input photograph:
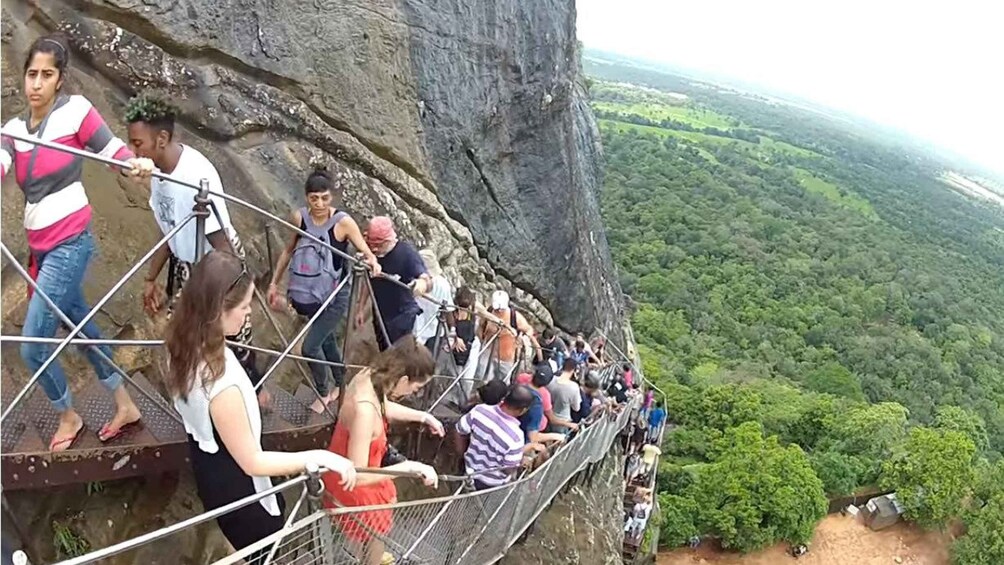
(69, 428)
(264, 399)
(125, 415)
(320, 403)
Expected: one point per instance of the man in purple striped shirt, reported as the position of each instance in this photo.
(496, 441)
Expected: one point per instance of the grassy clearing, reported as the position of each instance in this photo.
(697, 117)
(832, 192)
(766, 145)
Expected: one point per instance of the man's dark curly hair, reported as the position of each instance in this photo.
(153, 111)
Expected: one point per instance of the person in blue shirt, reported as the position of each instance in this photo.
(655, 421)
(398, 260)
(530, 421)
(590, 392)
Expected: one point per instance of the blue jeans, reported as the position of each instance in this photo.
(320, 342)
(60, 277)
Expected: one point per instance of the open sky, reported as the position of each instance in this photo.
(933, 70)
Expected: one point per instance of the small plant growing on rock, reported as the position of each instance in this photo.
(67, 542)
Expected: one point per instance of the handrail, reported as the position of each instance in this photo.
(240, 202)
(621, 419)
(160, 343)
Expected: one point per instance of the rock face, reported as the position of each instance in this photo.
(584, 525)
(465, 121)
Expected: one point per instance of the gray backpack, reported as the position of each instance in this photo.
(312, 271)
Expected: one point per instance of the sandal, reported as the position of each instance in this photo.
(68, 440)
(107, 433)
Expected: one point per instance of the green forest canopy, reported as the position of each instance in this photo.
(792, 272)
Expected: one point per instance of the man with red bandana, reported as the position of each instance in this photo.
(398, 260)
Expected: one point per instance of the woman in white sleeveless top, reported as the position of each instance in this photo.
(219, 406)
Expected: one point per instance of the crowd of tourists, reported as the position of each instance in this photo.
(643, 451)
(519, 395)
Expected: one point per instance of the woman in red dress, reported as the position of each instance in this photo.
(361, 436)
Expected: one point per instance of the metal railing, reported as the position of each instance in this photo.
(202, 207)
(439, 530)
(472, 528)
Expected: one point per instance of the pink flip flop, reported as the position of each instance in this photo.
(68, 440)
(106, 433)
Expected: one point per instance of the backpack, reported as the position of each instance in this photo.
(313, 274)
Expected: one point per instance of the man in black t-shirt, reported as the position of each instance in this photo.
(554, 347)
(618, 390)
(398, 260)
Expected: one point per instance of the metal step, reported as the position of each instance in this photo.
(284, 412)
(17, 423)
(157, 414)
(305, 396)
(96, 406)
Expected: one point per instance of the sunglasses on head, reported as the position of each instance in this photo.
(240, 276)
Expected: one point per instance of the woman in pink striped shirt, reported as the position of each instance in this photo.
(57, 219)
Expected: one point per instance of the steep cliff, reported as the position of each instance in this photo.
(465, 121)
(583, 524)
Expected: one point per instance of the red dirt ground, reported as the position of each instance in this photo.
(839, 540)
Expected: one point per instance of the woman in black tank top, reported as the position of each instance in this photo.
(320, 341)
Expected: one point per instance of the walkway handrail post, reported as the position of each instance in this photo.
(357, 274)
(201, 212)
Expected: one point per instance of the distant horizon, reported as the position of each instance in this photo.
(923, 71)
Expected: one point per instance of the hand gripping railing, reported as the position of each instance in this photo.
(471, 528)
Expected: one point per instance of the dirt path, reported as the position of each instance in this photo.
(838, 541)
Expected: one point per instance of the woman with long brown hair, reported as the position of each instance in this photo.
(219, 407)
(361, 435)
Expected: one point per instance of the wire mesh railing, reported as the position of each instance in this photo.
(474, 528)
(464, 528)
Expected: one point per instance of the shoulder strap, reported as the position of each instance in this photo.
(304, 214)
(332, 223)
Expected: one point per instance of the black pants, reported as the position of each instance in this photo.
(219, 481)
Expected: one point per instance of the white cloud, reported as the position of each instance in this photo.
(934, 71)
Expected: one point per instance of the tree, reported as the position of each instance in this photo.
(677, 522)
(967, 422)
(872, 431)
(835, 379)
(758, 492)
(932, 475)
(983, 543)
(839, 472)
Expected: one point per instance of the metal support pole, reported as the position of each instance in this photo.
(90, 315)
(460, 376)
(303, 331)
(201, 212)
(376, 312)
(357, 275)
